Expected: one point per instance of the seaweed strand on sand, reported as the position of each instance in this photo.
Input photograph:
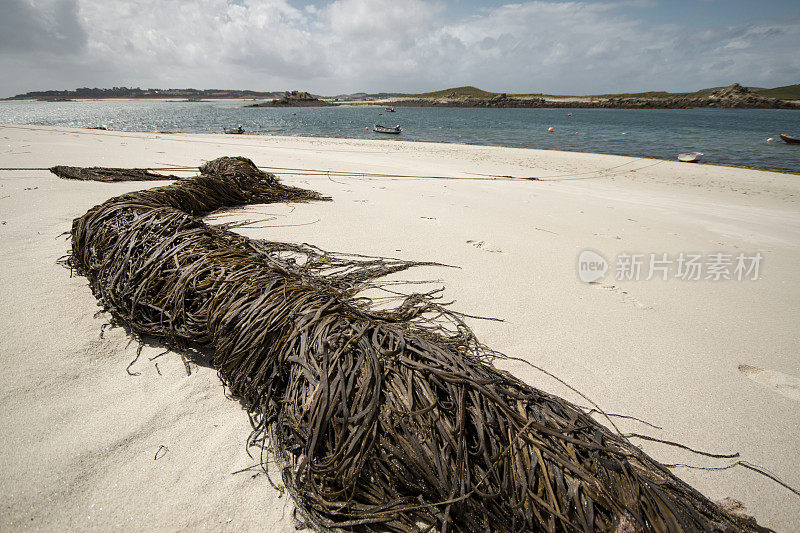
(382, 419)
(107, 174)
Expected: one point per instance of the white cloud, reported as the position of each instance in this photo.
(350, 45)
(201, 42)
(50, 26)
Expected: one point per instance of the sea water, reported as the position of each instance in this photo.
(725, 136)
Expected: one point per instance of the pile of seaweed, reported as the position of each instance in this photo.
(383, 418)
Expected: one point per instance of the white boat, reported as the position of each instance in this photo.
(383, 129)
(692, 157)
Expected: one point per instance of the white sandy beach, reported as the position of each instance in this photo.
(85, 445)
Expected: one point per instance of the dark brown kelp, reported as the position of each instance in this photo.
(107, 174)
(389, 420)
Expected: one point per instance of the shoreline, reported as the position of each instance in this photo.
(668, 352)
(743, 180)
(267, 135)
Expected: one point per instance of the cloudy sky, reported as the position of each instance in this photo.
(344, 46)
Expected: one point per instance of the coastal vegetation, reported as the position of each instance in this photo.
(787, 92)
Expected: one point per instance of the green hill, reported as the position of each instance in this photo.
(460, 92)
(787, 92)
(470, 91)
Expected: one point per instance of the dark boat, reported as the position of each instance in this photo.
(785, 137)
(383, 129)
(234, 131)
(390, 110)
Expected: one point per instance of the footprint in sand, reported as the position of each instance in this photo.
(783, 384)
(627, 298)
(485, 247)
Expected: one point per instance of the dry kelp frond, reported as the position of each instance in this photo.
(107, 174)
(385, 420)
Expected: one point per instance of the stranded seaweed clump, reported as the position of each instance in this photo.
(381, 419)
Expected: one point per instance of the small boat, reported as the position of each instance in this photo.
(785, 137)
(234, 131)
(693, 157)
(383, 129)
(390, 110)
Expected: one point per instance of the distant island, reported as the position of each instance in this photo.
(733, 96)
(294, 99)
(193, 95)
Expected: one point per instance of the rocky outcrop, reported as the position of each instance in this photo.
(733, 96)
(499, 101)
(294, 99)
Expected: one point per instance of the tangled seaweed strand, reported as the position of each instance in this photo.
(382, 419)
(107, 174)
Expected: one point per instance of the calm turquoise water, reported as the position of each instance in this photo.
(726, 136)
